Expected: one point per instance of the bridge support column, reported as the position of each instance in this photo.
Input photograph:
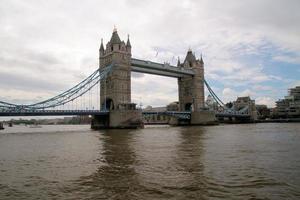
(203, 117)
(125, 119)
(127, 116)
(100, 122)
(174, 121)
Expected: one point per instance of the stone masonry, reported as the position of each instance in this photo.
(116, 89)
(191, 89)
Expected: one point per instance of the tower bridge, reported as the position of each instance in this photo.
(112, 82)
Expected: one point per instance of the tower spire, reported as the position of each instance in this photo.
(101, 46)
(128, 41)
(115, 39)
(201, 60)
(190, 57)
(178, 62)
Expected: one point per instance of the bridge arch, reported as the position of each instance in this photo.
(188, 107)
(108, 104)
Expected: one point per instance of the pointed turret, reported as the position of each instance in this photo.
(189, 59)
(128, 42)
(115, 39)
(178, 62)
(201, 60)
(101, 46)
(101, 49)
(128, 45)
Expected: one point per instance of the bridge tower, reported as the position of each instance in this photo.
(191, 89)
(115, 90)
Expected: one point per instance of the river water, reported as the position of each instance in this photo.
(249, 161)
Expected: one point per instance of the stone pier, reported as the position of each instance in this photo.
(203, 117)
(126, 116)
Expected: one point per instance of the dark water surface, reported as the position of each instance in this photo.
(254, 161)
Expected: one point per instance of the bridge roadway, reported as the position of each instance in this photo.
(166, 69)
(185, 115)
(52, 112)
(181, 115)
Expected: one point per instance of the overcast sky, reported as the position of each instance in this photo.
(250, 47)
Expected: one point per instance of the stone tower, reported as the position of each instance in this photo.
(191, 89)
(116, 89)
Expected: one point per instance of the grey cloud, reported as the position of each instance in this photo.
(16, 81)
(60, 39)
(37, 60)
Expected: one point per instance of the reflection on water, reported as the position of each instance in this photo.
(116, 176)
(256, 161)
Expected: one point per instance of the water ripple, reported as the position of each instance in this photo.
(259, 161)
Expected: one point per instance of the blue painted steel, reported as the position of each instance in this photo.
(226, 112)
(52, 112)
(63, 98)
(38, 109)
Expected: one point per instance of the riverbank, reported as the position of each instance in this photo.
(279, 120)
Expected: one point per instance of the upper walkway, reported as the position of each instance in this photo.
(165, 69)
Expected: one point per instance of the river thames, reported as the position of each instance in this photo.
(247, 161)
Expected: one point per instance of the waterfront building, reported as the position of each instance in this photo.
(174, 106)
(289, 107)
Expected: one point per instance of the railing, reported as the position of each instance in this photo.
(178, 114)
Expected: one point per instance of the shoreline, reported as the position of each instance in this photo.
(287, 120)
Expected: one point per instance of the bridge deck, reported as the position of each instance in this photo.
(52, 113)
(149, 67)
(184, 114)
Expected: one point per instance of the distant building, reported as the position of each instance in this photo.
(246, 103)
(289, 106)
(155, 109)
(211, 103)
(174, 106)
